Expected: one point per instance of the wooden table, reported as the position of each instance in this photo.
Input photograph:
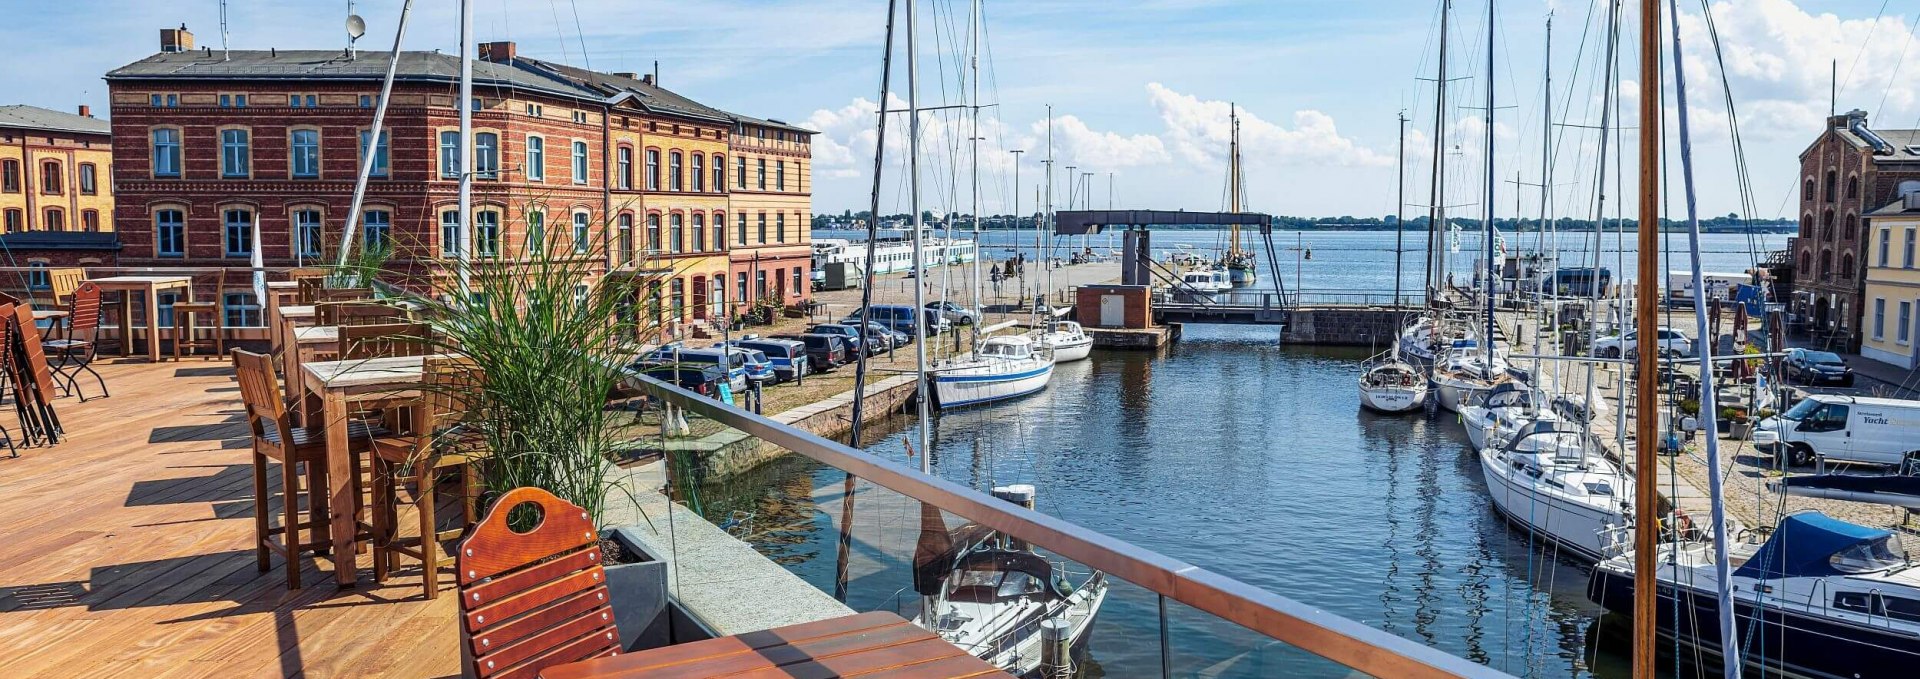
(283, 292)
(149, 288)
(339, 385)
(299, 313)
(877, 645)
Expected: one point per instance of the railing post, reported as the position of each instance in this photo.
(1166, 650)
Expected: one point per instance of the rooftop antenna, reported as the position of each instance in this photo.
(356, 27)
(226, 53)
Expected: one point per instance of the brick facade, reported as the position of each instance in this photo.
(56, 171)
(1843, 176)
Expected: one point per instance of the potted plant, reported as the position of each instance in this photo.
(1734, 423)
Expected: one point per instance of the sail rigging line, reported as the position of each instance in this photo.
(873, 223)
(1871, 29)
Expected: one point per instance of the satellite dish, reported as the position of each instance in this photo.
(356, 26)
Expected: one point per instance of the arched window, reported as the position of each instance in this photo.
(719, 173)
(1846, 266)
(624, 168)
(1832, 185)
(699, 171)
(56, 220)
(1826, 264)
(699, 228)
(720, 229)
(1853, 227)
(653, 170)
(1806, 225)
(675, 177)
(653, 231)
(1806, 191)
(50, 176)
(1853, 187)
(1806, 260)
(1826, 225)
(676, 233)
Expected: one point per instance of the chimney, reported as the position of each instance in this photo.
(497, 52)
(630, 75)
(86, 111)
(648, 78)
(176, 39)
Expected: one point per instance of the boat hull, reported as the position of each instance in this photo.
(1392, 399)
(1577, 527)
(1788, 643)
(1076, 350)
(1453, 393)
(962, 389)
(1241, 278)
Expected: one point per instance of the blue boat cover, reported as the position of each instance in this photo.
(1804, 545)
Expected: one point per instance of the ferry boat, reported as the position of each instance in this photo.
(1820, 598)
(1002, 368)
(892, 253)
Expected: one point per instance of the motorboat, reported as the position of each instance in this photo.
(991, 595)
(1820, 597)
(1203, 284)
(1001, 368)
(1390, 385)
(1066, 339)
(1463, 370)
(1550, 482)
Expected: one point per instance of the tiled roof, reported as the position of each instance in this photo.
(61, 240)
(26, 117)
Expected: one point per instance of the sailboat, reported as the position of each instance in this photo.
(1549, 481)
(1236, 261)
(1390, 385)
(991, 595)
(1000, 368)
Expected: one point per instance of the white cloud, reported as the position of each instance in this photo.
(1200, 131)
(1077, 144)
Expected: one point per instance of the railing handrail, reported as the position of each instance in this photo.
(1310, 628)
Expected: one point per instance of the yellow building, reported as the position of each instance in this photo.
(1892, 299)
(56, 170)
(772, 205)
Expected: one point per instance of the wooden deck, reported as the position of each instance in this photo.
(127, 552)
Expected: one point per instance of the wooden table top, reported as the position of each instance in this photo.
(365, 372)
(877, 645)
(43, 314)
(140, 281)
(317, 334)
(283, 285)
(297, 311)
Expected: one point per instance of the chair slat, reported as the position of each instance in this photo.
(521, 602)
(491, 591)
(597, 625)
(535, 599)
(592, 646)
(591, 603)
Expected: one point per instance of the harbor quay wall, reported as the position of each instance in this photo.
(1346, 326)
(731, 452)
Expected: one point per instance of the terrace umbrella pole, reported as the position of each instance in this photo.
(373, 138)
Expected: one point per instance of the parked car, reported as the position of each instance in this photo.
(855, 340)
(676, 354)
(1875, 431)
(886, 337)
(954, 313)
(1672, 343)
(901, 317)
(824, 352)
(759, 369)
(704, 380)
(788, 356)
(1811, 366)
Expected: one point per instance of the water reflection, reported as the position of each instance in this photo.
(1240, 456)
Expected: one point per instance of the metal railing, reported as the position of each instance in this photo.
(1278, 618)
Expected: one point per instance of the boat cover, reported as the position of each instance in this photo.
(1531, 428)
(1509, 395)
(1804, 545)
(1014, 561)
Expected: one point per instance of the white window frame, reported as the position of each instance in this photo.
(236, 157)
(581, 231)
(486, 233)
(376, 233)
(450, 233)
(486, 157)
(166, 153)
(579, 164)
(306, 232)
(1879, 318)
(449, 154)
(1905, 335)
(536, 156)
(303, 159)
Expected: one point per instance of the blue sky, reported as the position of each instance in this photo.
(1139, 89)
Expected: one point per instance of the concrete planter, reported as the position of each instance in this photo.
(1739, 431)
(638, 590)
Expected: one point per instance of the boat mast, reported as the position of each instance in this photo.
(1546, 193)
(1436, 210)
(1723, 570)
(1646, 426)
(1016, 217)
(464, 249)
(1048, 214)
(873, 226)
(974, 158)
(1399, 219)
(373, 136)
(919, 262)
(1493, 270)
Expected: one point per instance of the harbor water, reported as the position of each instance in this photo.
(1249, 459)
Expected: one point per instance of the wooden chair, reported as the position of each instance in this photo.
(275, 438)
(382, 340)
(356, 313)
(533, 600)
(342, 295)
(307, 290)
(77, 350)
(32, 378)
(436, 445)
(185, 314)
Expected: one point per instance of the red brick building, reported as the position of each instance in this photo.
(1849, 171)
(216, 149)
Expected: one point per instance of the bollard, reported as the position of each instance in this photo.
(1056, 648)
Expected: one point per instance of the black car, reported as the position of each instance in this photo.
(855, 341)
(703, 380)
(1809, 366)
(824, 352)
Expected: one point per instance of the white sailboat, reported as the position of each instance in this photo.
(1547, 480)
(1065, 339)
(1465, 369)
(1499, 413)
(1001, 368)
(1390, 385)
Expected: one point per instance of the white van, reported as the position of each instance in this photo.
(1880, 431)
